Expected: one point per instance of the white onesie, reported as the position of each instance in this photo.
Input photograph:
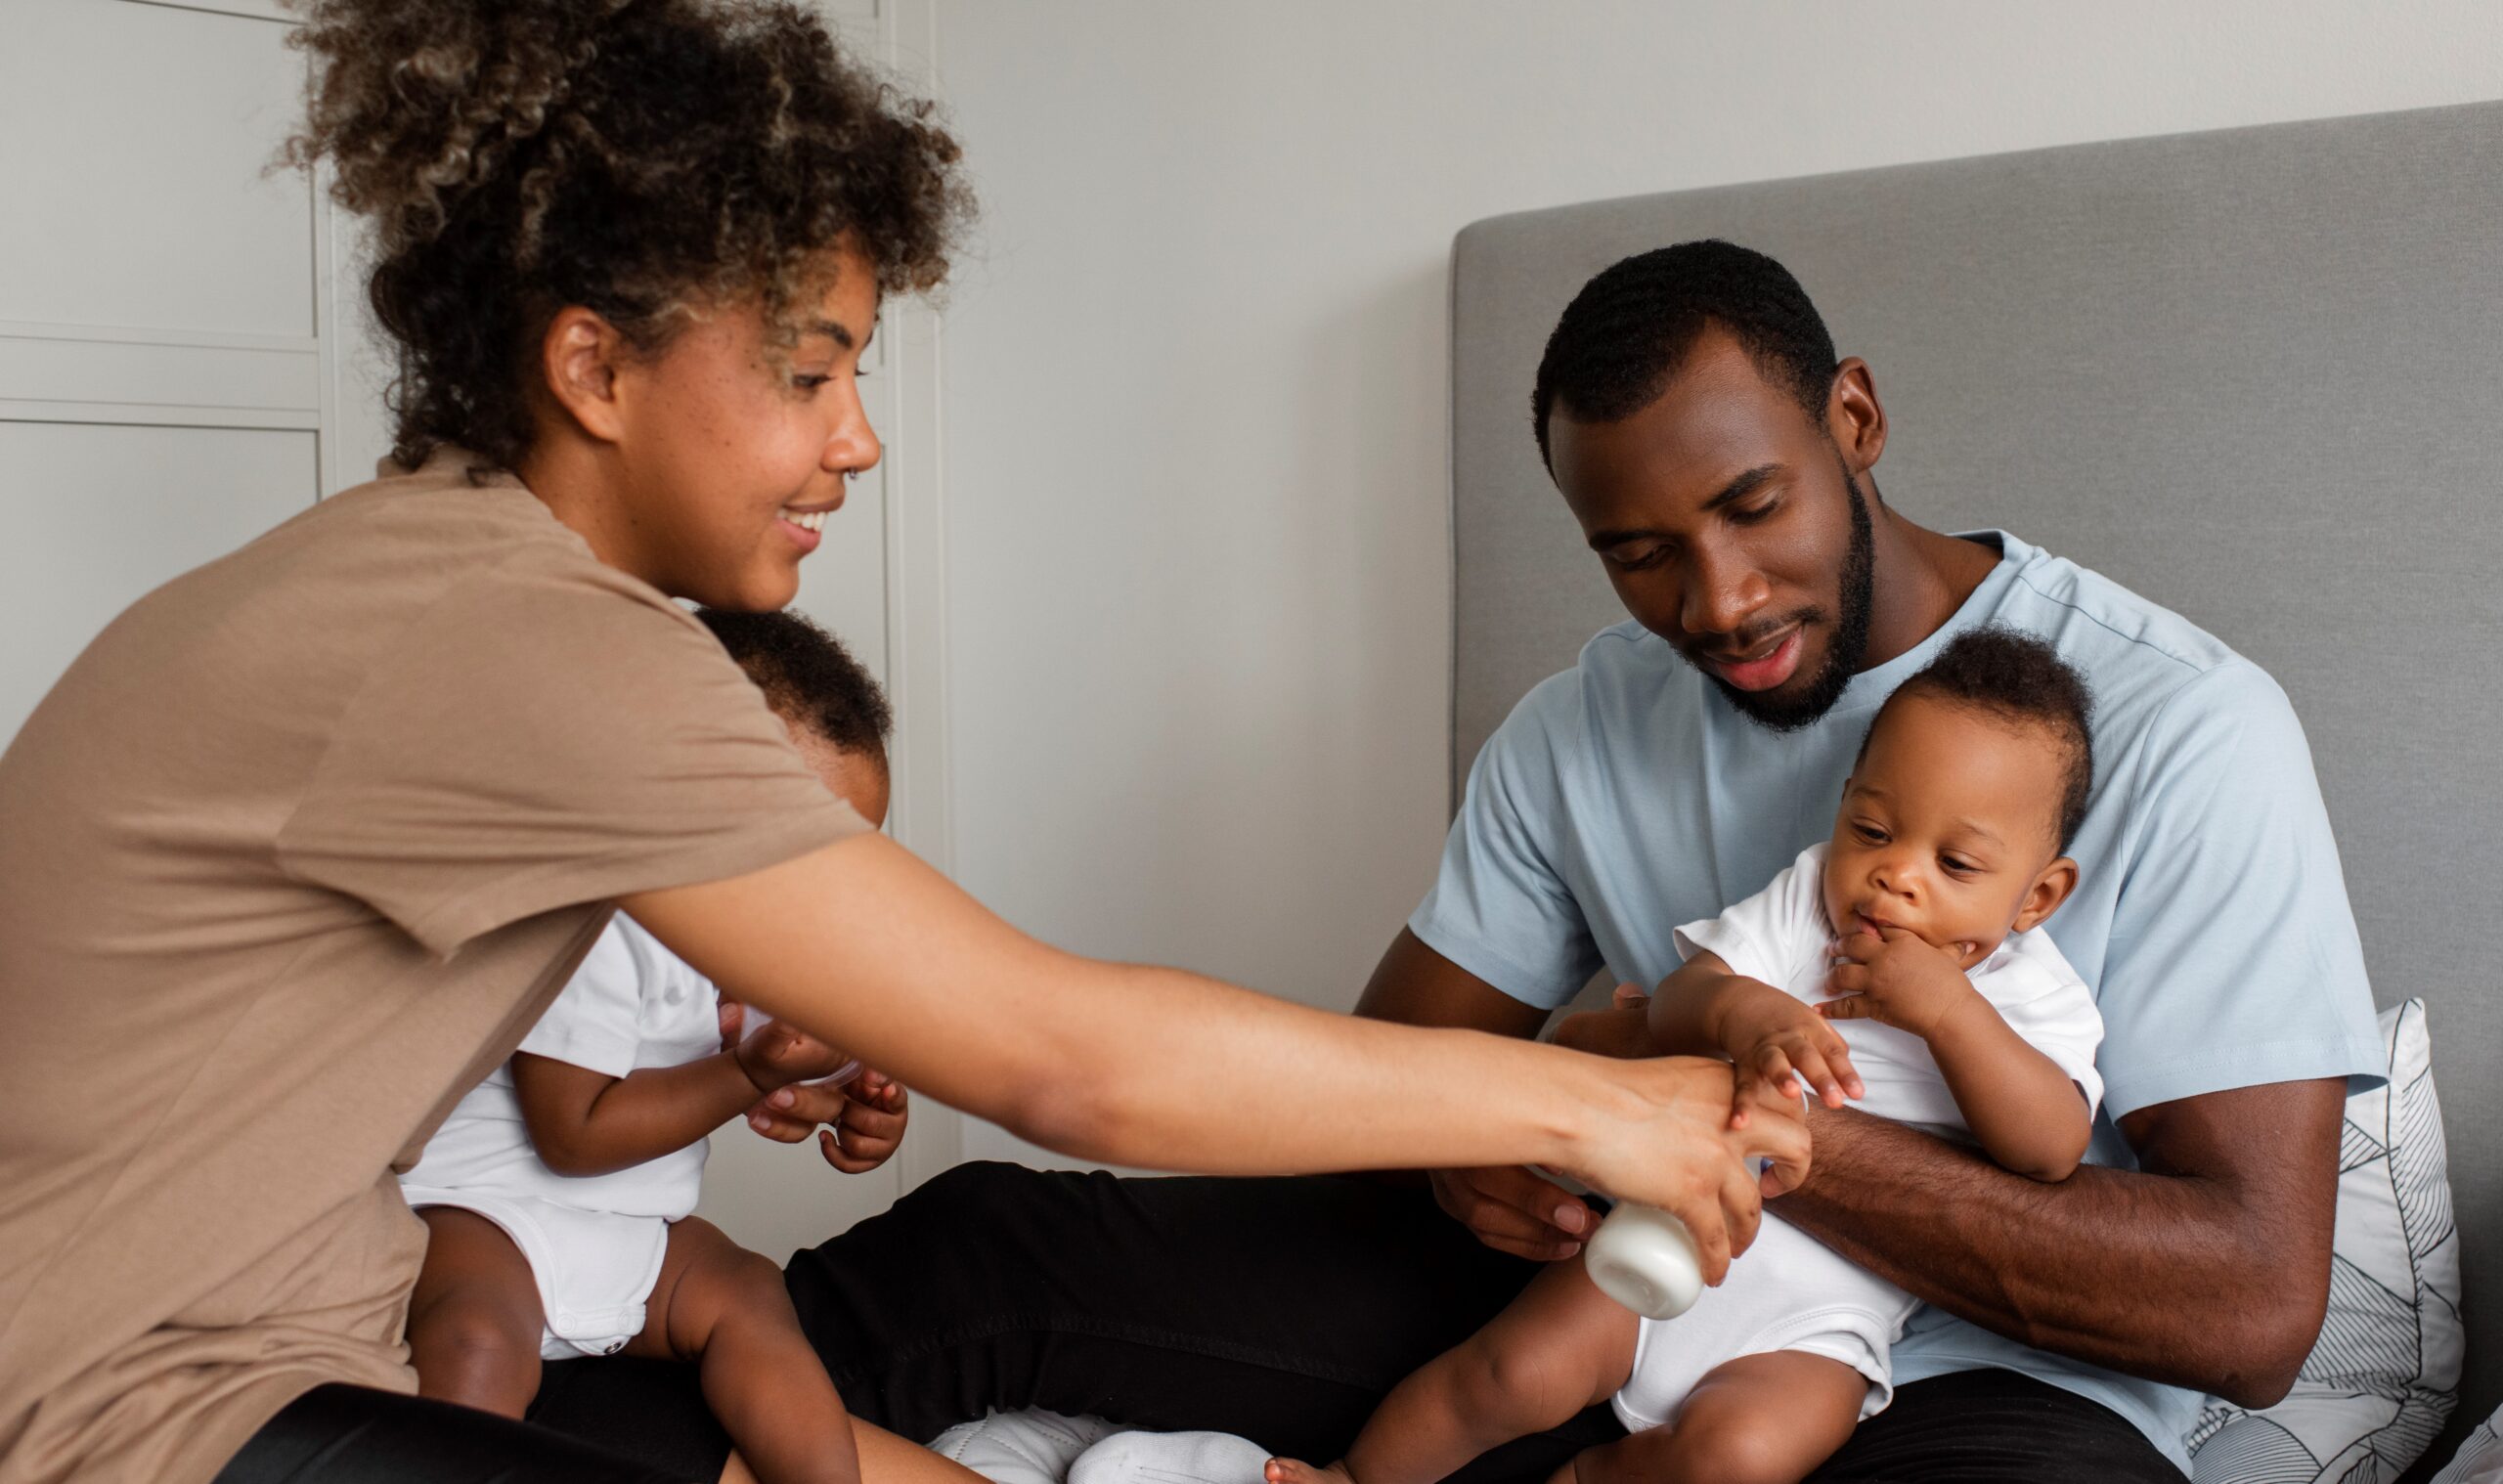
(1790, 1291)
(594, 1241)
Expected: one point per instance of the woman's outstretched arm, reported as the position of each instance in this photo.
(863, 945)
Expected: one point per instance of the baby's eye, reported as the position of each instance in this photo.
(1958, 865)
(1869, 833)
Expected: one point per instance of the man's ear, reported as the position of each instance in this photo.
(2044, 897)
(579, 357)
(1855, 417)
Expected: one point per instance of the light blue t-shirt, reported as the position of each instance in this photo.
(1626, 796)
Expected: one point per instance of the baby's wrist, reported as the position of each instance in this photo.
(1957, 1021)
(759, 1079)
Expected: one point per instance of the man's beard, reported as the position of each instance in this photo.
(1850, 643)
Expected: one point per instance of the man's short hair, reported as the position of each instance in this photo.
(808, 677)
(2020, 679)
(1630, 329)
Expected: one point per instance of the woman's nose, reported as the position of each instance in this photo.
(853, 448)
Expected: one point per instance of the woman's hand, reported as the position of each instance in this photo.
(1675, 1148)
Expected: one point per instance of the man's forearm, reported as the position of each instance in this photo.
(2208, 1276)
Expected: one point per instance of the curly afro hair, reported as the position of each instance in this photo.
(2020, 679)
(1616, 345)
(808, 678)
(636, 158)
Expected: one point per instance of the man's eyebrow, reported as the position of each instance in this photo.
(1743, 486)
(1739, 487)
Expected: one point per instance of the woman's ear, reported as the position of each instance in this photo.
(579, 357)
(2044, 897)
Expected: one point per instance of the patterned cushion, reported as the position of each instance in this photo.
(2480, 1460)
(2378, 1385)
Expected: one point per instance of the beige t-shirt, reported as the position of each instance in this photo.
(290, 859)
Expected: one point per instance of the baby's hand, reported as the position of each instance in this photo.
(866, 1134)
(1896, 979)
(1772, 1039)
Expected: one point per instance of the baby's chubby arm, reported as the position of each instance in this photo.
(2026, 1111)
(586, 1123)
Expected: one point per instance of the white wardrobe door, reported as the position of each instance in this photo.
(97, 515)
(134, 141)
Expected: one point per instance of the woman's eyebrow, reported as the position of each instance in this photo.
(835, 331)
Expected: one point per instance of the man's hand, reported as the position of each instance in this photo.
(1513, 1210)
(1775, 1041)
(1622, 1030)
(1897, 980)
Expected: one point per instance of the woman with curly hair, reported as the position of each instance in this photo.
(305, 841)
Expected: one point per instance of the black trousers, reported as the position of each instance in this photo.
(1278, 1309)
(339, 1435)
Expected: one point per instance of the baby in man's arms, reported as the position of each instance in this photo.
(558, 1195)
(1902, 965)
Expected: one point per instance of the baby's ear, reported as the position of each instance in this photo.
(2051, 888)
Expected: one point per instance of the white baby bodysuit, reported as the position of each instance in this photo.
(1789, 1292)
(595, 1242)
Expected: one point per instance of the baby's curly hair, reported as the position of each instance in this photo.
(2019, 678)
(808, 677)
(636, 158)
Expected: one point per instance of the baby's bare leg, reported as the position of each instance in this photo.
(723, 1305)
(1757, 1420)
(1560, 1347)
(474, 1318)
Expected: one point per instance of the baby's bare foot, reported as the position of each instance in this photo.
(1290, 1471)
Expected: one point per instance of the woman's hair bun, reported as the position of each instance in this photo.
(633, 156)
(415, 102)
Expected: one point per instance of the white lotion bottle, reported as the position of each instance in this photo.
(1646, 1259)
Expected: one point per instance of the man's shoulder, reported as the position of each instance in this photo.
(2137, 656)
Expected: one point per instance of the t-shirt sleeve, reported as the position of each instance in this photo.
(597, 1021)
(1500, 906)
(1772, 935)
(548, 734)
(2234, 959)
(2054, 1013)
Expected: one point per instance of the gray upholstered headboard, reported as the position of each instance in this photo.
(2256, 375)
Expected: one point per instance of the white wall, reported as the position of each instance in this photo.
(1194, 404)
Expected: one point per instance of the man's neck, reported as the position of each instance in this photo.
(1922, 577)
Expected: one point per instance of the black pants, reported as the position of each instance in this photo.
(1279, 1309)
(339, 1435)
